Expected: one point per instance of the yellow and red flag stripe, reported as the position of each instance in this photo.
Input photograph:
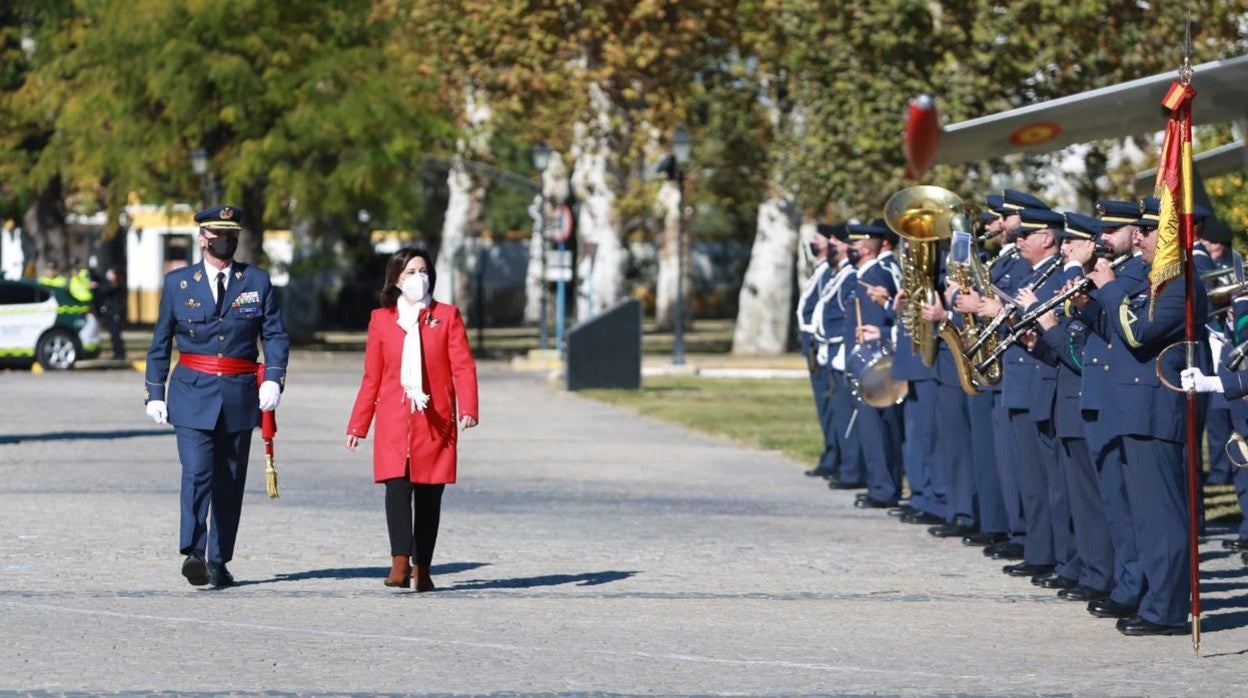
(1174, 189)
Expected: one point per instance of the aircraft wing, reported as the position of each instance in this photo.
(1125, 109)
(1224, 159)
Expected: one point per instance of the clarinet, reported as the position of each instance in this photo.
(1033, 316)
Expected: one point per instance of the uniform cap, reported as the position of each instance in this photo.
(1080, 227)
(1036, 219)
(1115, 214)
(1014, 200)
(1150, 213)
(223, 217)
(863, 231)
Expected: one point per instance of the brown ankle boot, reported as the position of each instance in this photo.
(422, 581)
(400, 571)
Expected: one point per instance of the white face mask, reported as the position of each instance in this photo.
(414, 286)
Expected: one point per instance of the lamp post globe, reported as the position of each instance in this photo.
(540, 153)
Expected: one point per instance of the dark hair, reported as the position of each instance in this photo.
(398, 262)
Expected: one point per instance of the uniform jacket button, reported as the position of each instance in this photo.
(1135, 380)
(220, 356)
(220, 338)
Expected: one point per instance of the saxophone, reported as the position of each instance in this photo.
(967, 271)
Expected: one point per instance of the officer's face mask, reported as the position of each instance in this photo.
(415, 286)
(852, 255)
(815, 251)
(223, 246)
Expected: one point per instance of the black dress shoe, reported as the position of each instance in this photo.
(1026, 569)
(918, 516)
(839, 485)
(901, 510)
(194, 569)
(1108, 608)
(950, 530)
(219, 576)
(1238, 544)
(1054, 580)
(869, 503)
(1082, 593)
(984, 539)
(1007, 550)
(820, 472)
(1138, 626)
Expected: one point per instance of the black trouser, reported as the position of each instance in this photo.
(413, 535)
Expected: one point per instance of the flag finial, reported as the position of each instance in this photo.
(1185, 71)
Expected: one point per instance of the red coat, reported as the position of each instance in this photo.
(450, 378)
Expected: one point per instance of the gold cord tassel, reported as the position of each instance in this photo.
(270, 477)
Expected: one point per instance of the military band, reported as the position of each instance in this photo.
(1014, 369)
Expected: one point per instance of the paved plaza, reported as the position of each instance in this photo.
(585, 550)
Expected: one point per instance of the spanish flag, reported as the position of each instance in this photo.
(1174, 189)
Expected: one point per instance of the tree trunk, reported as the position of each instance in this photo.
(767, 292)
(251, 238)
(456, 260)
(669, 204)
(596, 181)
(44, 223)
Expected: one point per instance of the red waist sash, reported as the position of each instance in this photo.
(233, 366)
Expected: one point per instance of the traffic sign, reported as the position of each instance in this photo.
(562, 228)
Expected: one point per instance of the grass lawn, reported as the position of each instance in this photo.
(775, 414)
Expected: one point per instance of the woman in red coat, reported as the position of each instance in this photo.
(418, 377)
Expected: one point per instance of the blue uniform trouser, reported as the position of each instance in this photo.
(1156, 488)
(991, 508)
(1218, 430)
(821, 386)
(880, 432)
(1087, 510)
(1065, 555)
(845, 423)
(1006, 448)
(1241, 492)
(1107, 457)
(953, 454)
(1033, 488)
(919, 414)
(214, 471)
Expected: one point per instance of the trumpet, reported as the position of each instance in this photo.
(1222, 295)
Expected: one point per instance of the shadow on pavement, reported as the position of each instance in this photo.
(85, 435)
(359, 573)
(1224, 621)
(550, 580)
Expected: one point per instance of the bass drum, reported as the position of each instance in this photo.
(869, 373)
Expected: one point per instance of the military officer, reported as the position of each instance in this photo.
(1212, 252)
(217, 312)
(1150, 436)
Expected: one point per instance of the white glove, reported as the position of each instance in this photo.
(1195, 381)
(156, 410)
(821, 356)
(270, 395)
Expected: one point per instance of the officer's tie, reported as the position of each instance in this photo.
(220, 291)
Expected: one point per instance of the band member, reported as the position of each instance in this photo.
(806, 303)
(1151, 436)
(217, 311)
(829, 337)
(1062, 342)
(879, 429)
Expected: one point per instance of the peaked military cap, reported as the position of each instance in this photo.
(1014, 199)
(1150, 213)
(839, 232)
(1216, 233)
(863, 231)
(1080, 227)
(1115, 214)
(988, 216)
(824, 229)
(1200, 214)
(889, 234)
(223, 217)
(1036, 219)
(996, 204)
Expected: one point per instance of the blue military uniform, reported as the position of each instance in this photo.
(1064, 345)
(1152, 438)
(829, 333)
(1218, 415)
(819, 380)
(214, 412)
(879, 429)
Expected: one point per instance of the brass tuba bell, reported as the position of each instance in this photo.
(923, 216)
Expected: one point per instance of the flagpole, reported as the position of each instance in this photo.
(1187, 238)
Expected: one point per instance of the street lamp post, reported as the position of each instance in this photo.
(682, 149)
(202, 167)
(541, 159)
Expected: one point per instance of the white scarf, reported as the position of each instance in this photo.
(410, 369)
